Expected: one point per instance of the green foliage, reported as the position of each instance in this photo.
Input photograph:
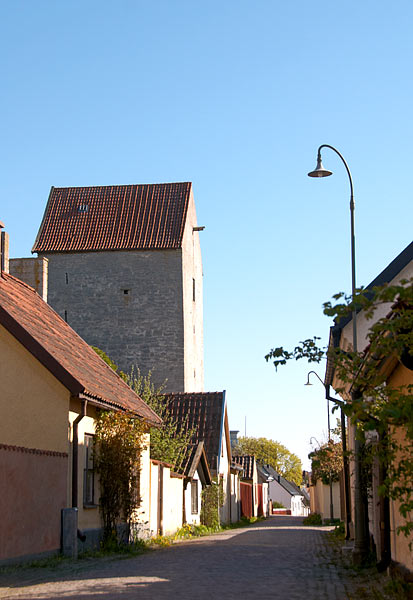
(313, 519)
(272, 453)
(106, 358)
(375, 405)
(276, 504)
(119, 445)
(210, 502)
(306, 349)
(326, 462)
(169, 442)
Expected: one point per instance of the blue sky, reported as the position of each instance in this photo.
(236, 97)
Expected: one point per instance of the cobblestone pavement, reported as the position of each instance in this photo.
(276, 558)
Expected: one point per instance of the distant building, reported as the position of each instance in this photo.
(125, 271)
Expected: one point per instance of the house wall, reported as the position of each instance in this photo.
(400, 551)
(320, 499)
(278, 494)
(235, 497)
(33, 453)
(142, 328)
(33, 493)
(192, 287)
(193, 518)
(224, 472)
(30, 395)
(172, 495)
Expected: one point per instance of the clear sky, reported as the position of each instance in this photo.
(234, 96)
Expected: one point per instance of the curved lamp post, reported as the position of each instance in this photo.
(360, 525)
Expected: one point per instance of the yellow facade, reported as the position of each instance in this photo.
(34, 405)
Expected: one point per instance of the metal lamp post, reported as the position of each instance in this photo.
(360, 541)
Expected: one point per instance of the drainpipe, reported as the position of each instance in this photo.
(75, 453)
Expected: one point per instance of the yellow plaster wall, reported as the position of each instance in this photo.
(400, 550)
(33, 403)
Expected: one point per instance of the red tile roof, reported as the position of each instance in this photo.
(204, 412)
(120, 217)
(247, 463)
(63, 352)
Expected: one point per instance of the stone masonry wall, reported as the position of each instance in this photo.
(32, 271)
(127, 303)
(192, 278)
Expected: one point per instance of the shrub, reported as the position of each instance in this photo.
(313, 519)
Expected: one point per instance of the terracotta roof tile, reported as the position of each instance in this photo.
(247, 463)
(203, 411)
(120, 217)
(61, 350)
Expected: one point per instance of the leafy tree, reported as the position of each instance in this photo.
(169, 442)
(375, 406)
(272, 453)
(119, 442)
(326, 461)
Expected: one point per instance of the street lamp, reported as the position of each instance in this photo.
(360, 526)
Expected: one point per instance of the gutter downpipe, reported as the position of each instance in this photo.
(75, 454)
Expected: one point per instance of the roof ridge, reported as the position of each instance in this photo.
(119, 185)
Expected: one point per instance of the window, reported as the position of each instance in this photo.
(194, 497)
(193, 290)
(83, 208)
(89, 472)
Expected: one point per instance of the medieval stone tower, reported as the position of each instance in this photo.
(125, 271)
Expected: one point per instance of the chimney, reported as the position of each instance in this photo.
(4, 250)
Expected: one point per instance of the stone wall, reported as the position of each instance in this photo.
(127, 303)
(32, 271)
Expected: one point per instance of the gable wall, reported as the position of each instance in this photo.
(34, 405)
(34, 459)
(144, 327)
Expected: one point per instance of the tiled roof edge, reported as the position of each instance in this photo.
(42, 355)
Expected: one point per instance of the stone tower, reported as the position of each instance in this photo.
(125, 272)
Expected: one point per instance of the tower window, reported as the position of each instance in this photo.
(66, 316)
(67, 278)
(193, 290)
(126, 292)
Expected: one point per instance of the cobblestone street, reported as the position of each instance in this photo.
(276, 558)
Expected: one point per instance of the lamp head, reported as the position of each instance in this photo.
(319, 171)
(308, 380)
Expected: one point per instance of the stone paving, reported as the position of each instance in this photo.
(275, 558)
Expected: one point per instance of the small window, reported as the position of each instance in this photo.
(193, 290)
(66, 316)
(83, 208)
(89, 472)
(67, 278)
(194, 497)
(126, 292)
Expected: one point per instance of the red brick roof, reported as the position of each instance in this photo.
(120, 217)
(62, 351)
(204, 412)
